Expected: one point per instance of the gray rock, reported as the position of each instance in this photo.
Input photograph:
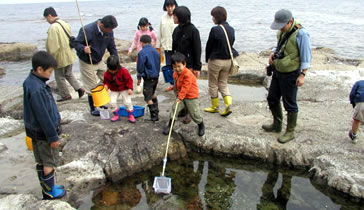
(3, 147)
(9, 125)
(16, 51)
(339, 174)
(11, 98)
(2, 71)
(30, 202)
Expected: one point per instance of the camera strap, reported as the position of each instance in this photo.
(286, 37)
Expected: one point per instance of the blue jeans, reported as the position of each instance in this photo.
(284, 85)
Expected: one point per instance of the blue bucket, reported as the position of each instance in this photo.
(168, 74)
(138, 111)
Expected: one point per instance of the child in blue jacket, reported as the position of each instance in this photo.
(357, 100)
(42, 123)
(148, 66)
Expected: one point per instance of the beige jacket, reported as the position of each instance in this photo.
(57, 44)
(165, 32)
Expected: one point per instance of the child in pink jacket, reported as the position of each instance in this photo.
(144, 28)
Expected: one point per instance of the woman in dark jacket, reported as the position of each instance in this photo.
(219, 61)
(186, 39)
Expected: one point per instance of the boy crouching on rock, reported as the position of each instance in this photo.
(187, 93)
(42, 123)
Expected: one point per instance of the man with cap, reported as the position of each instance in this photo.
(289, 62)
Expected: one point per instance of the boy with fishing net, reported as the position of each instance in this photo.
(187, 93)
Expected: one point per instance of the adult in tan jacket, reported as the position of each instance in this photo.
(57, 45)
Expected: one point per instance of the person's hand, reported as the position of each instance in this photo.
(139, 81)
(300, 80)
(129, 53)
(106, 87)
(270, 61)
(178, 100)
(196, 73)
(55, 144)
(130, 92)
(87, 49)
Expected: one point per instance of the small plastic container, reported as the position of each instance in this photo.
(138, 111)
(168, 74)
(104, 114)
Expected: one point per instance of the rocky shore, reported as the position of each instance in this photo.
(95, 151)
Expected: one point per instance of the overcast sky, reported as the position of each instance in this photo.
(31, 1)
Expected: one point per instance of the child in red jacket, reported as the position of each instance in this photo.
(187, 93)
(118, 80)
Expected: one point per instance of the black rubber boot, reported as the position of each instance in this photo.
(201, 129)
(153, 109)
(93, 110)
(276, 126)
(155, 102)
(167, 128)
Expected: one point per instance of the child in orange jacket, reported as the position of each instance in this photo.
(187, 93)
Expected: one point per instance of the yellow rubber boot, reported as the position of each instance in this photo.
(214, 106)
(228, 100)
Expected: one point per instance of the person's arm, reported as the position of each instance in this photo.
(353, 93)
(128, 79)
(196, 50)
(159, 37)
(304, 47)
(52, 43)
(186, 85)
(111, 47)
(80, 43)
(154, 38)
(135, 42)
(107, 80)
(140, 65)
(209, 44)
(37, 103)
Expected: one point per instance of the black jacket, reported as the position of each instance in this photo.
(186, 40)
(216, 46)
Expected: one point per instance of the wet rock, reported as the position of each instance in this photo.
(11, 98)
(30, 202)
(3, 147)
(82, 175)
(340, 175)
(16, 51)
(2, 71)
(122, 151)
(318, 133)
(9, 125)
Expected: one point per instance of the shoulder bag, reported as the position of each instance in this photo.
(72, 39)
(234, 69)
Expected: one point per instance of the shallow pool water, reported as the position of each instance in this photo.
(205, 182)
(240, 92)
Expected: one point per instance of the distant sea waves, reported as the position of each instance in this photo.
(331, 23)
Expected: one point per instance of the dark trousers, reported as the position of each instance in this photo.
(168, 54)
(284, 85)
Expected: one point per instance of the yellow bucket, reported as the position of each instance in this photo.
(28, 142)
(100, 96)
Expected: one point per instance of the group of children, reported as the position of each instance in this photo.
(42, 119)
